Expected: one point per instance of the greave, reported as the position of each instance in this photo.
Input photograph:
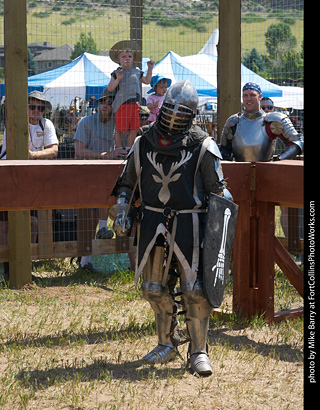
(163, 326)
(198, 312)
(199, 361)
(198, 331)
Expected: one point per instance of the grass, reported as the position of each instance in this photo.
(73, 340)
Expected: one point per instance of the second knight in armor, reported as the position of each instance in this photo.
(251, 137)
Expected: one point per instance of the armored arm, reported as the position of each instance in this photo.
(289, 153)
(279, 125)
(226, 151)
(211, 172)
(227, 135)
(125, 193)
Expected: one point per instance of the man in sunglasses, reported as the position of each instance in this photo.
(251, 136)
(94, 139)
(43, 144)
(267, 104)
(144, 113)
(43, 141)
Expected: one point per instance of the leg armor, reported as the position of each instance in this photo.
(162, 304)
(198, 311)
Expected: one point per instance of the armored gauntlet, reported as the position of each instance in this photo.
(120, 213)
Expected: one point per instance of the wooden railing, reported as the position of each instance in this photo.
(257, 188)
(263, 186)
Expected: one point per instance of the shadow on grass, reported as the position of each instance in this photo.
(132, 330)
(100, 370)
(73, 275)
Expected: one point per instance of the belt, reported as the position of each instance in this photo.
(169, 214)
(167, 211)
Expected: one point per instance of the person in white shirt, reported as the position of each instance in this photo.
(43, 141)
(43, 144)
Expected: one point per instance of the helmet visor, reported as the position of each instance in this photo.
(175, 117)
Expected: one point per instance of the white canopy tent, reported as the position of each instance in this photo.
(201, 70)
(211, 45)
(292, 97)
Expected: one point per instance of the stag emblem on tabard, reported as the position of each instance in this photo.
(164, 193)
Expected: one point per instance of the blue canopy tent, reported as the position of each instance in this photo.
(84, 77)
(89, 74)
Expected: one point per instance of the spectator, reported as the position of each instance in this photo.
(43, 144)
(144, 113)
(126, 82)
(267, 104)
(94, 139)
(43, 141)
(159, 86)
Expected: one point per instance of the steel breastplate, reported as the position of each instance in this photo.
(251, 142)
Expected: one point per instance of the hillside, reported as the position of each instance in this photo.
(183, 26)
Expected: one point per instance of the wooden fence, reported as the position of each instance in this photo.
(257, 188)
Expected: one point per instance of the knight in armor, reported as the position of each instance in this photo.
(173, 166)
(251, 137)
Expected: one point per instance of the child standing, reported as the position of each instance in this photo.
(126, 81)
(159, 86)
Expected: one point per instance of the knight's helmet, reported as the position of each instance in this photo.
(178, 108)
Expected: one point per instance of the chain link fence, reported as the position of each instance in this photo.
(69, 43)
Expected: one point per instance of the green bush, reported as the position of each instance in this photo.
(252, 18)
(41, 14)
(69, 22)
(190, 22)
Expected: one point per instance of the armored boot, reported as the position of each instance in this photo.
(165, 350)
(162, 304)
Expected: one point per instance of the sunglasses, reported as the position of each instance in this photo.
(269, 107)
(144, 117)
(40, 108)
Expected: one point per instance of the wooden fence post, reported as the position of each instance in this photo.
(229, 61)
(16, 67)
(253, 264)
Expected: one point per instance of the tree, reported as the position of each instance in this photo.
(282, 58)
(254, 61)
(279, 40)
(85, 44)
(32, 64)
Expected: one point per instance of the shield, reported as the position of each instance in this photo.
(217, 248)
